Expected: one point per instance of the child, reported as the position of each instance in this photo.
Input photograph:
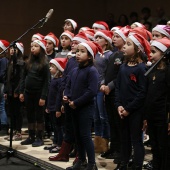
(12, 85)
(65, 41)
(37, 36)
(101, 123)
(54, 101)
(130, 93)
(100, 25)
(157, 103)
(160, 31)
(3, 68)
(79, 94)
(33, 90)
(70, 25)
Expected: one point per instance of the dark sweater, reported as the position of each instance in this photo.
(82, 85)
(3, 69)
(131, 87)
(54, 95)
(35, 81)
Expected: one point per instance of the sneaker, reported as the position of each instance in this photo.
(27, 141)
(38, 142)
(16, 137)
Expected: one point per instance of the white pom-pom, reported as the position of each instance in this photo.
(148, 63)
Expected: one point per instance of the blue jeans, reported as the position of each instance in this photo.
(3, 116)
(101, 123)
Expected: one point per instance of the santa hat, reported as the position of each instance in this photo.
(92, 47)
(20, 46)
(53, 38)
(162, 44)
(142, 31)
(116, 28)
(73, 23)
(90, 34)
(68, 34)
(138, 24)
(38, 36)
(123, 32)
(105, 34)
(163, 29)
(81, 37)
(4, 44)
(60, 63)
(42, 43)
(84, 28)
(101, 25)
(141, 42)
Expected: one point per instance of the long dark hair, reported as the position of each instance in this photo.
(40, 59)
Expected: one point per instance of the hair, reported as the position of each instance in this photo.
(91, 60)
(109, 46)
(42, 59)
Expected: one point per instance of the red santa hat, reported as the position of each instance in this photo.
(38, 36)
(105, 34)
(90, 34)
(20, 46)
(162, 44)
(53, 38)
(68, 34)
(84, 28)
(41, 43)
(123, 32)
(73, 23)
(60, 63)
(138, 24)
(4, 44)
(116, 28)
(92, 47)
(163, 29)
(81, 37)
(101, 25)
(141, 42)
(142, 31)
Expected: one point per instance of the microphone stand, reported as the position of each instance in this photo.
(11, 152)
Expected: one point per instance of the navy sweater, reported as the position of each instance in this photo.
(131, 87)
(82, 86)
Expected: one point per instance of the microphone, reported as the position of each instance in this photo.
(49, 14)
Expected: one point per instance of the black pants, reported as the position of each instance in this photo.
(158, 134)
(114, 122)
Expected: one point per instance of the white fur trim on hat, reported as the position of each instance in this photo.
(53, 61)
(74, 24)
(40, 43)
(88, 48)
(161, 31)
(99, 33)
(50, 38)
(68, 35)
(79, 39)
(2, 46)
(136, 42)
(159, 45)
(20, 47)
(37, 36)
(121, 34)
(99, 26)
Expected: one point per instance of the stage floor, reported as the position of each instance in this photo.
(39, 156)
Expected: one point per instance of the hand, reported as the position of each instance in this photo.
(47, 111)
(125, 113)
(144, 125)
(71, 104)
(15, 95)
(65, 99)
(102, 88)
(5, 96)
(21, 97)
(62, 109)
(120, 110)
(41, 102)
(58, 114)
(106, 90)
(168, 128)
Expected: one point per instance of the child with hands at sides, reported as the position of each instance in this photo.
(33, 90)
(130, 93)
(79, 95)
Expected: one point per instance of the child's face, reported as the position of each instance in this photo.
(156, 35)
(155, 54)
(81, 54)
(65, 42)
(96, 29)
(11, 51)
(49, 46)
(53, 69)
(101, 41)
(68, 26)
(118, 41)
(74, 46)
(35, 48)
(128, 48)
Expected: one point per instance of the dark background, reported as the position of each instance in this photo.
(17, 16)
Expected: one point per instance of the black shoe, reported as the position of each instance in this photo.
(104, 154)
(49, 147)
(27, 141)
(38, 142)
(4, 129)
(91, 167)
(73, 153)
(148, 166)
(78, 165)
(147, 143)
